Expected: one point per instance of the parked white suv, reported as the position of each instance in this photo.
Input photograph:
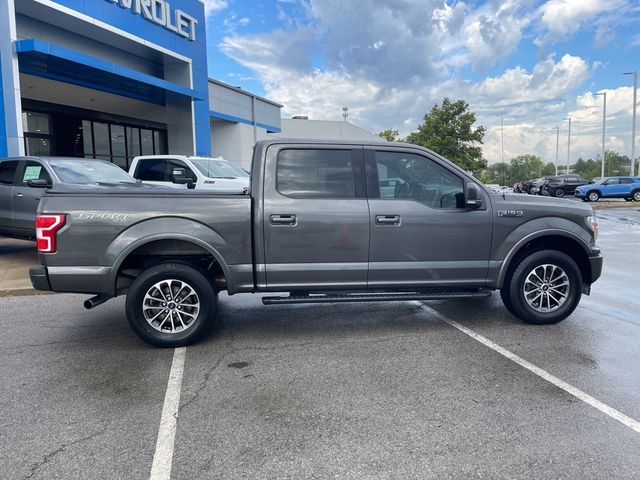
(180, 171)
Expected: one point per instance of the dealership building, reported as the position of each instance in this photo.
(112, 79)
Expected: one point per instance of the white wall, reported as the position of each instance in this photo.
(234, 141)
(323, 130)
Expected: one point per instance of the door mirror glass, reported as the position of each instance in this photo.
(474, 199)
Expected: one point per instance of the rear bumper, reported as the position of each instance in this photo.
(40, 278)
(90, 280)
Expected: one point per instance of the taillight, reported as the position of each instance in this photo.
(47, 226)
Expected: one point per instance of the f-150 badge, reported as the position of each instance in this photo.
(510, 213)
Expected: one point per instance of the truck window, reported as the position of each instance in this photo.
(34, 171)
(151, 170)
(8, 172)
(407, 176)
(308, 173)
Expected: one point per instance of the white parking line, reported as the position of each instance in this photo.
(576, 392)
(163, 457)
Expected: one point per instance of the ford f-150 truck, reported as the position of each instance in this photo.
(323, 222)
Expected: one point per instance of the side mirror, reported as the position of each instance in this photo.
(38, 183)
(191, 185)
(474, 198)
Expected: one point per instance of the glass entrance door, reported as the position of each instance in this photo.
(38, 137)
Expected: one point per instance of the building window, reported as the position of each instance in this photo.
(70, 135)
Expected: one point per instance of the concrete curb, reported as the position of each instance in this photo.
(22, 292)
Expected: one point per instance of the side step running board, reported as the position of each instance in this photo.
(376, 297)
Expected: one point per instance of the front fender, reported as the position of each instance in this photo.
(506, 250)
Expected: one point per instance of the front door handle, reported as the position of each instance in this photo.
(388, 220)
(18, 195)
(289, 220)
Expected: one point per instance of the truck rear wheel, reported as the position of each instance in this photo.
(544, 288)
(171, 305)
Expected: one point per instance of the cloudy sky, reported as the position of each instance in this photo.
(391, 60)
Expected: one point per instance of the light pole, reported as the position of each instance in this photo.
(568, 144)
(501, 138)
(604, 123)
(345, 113)
(633, 127)
(557, 147)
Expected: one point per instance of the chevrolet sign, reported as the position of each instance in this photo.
(161, 13)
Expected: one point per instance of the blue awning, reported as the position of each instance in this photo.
(43, 59)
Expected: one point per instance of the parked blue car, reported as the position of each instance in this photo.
(611, 187)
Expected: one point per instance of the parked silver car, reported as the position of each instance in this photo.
(23, 180)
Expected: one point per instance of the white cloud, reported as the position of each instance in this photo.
(214, 6)
(390, 61)
(495, 34)
(562, 18)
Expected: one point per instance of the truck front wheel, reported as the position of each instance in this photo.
(171, 305)
(544, 288)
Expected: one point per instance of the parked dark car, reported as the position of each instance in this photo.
(23, 180)
(535, 188)
(562, 185)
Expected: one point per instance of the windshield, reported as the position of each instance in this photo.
(216, 168)
(86, 172)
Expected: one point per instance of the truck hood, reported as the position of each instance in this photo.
(551, 204)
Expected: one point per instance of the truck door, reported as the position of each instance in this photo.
(25, 198)
(8, 170)
(421, 232)
(315, 218)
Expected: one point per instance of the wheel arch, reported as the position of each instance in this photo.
(156, 244)
(559, 240)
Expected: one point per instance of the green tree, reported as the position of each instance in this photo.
(525, 167)
(448, 130)
(389, 134)
(548, 170)
(499, 173)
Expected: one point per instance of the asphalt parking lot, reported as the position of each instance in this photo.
(394, 390)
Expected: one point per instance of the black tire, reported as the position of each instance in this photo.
(593, 196)
(159, 335)
(514, 286)
(636, 196)
(559, 193)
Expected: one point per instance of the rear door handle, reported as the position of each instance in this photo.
(289, 220)
(18, 195)
(388, 220)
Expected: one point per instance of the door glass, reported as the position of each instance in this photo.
(146, 142)
(33, 122)
(34, 171)
(151, 170)
(160, 142)
(414, 177)
(118, 150)
(8, 172)
(101, 140)
(626, 181)
(612, 181)
(178, 170)
(133, 142)
(37, 147)
(315, 174)
(87, 139)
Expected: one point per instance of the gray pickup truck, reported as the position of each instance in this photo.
(324, 222)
